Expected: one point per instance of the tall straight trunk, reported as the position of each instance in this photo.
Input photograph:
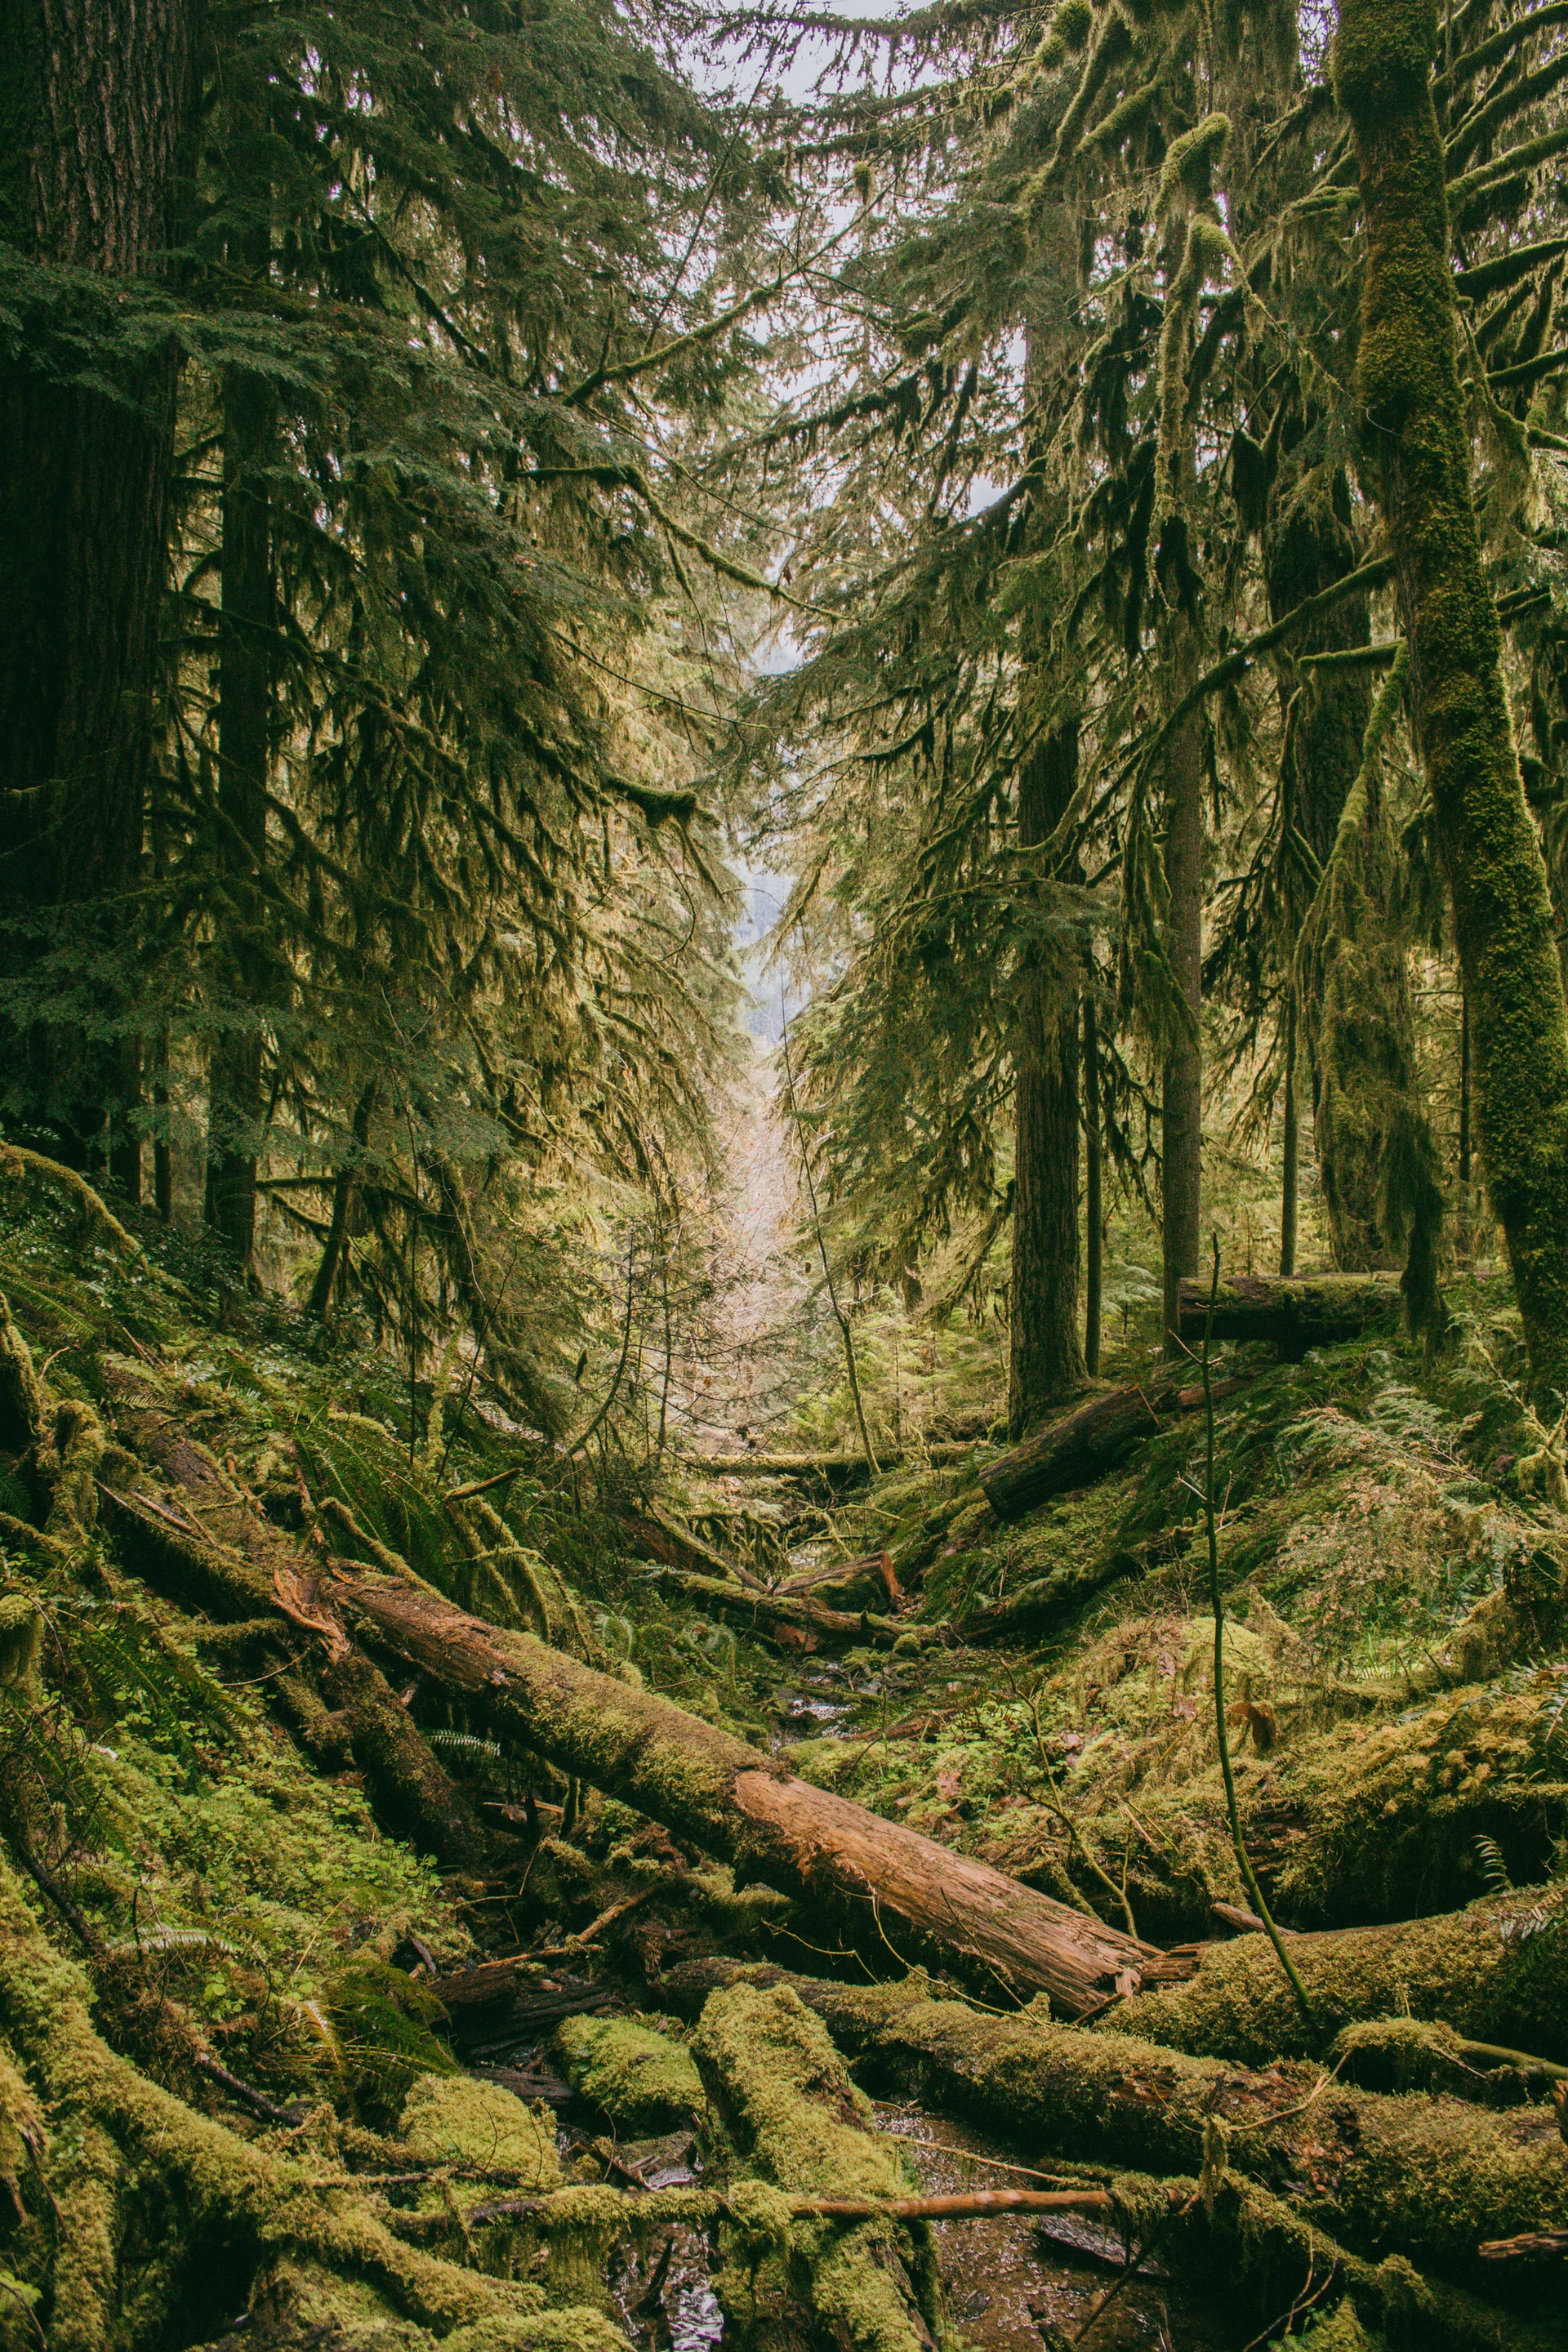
(1093, 1205)
(1290, 1174)
(1410, 395)
(1182, 1087)
(1045, 1360)
(245, 639)
(98, 103)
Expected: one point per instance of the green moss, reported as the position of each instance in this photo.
(643, 2079)
(791, 2111)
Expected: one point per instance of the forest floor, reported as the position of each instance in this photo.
(336, 2013)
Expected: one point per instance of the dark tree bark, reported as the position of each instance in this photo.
(1419, 444)
(1046, 1358)
(1360, 1048)
(98, 102)
(245, 679)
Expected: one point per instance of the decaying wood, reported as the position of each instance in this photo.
(872, 1877)
(1292, 1315)
(834, 1469)
(1086, 1445)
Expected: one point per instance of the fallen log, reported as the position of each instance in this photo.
(832, 1469)
(1086, 1445)
(793, 1619)
(867, 1581)
(703, 1785)
(1293, 1314)
(1429, 2177)
(792, 2113)
(1474, 1970)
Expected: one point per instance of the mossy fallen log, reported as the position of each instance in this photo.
(1428, 2177)
(1086, 1445)
(865, 1873)
(1496, 1973)
(701, 1783)
(127, 2209)
(1365, 1822)
(795, 1620)
(791, 2113)
(1291, 1314)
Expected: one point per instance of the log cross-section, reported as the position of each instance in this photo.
(730, 1800)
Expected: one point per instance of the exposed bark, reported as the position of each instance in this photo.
(1087, 1444)
(793, 1620)
(96, 112)
(1420, 447)
(1372, 2171)
(1292, 1316)
(702, 1784)
(215, 1550)
(711, 1788)
(1045, 1360)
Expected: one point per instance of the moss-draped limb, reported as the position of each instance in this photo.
(1419, 454)
(1379, 2174)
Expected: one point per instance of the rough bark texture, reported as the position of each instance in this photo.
(1361, 1055)
(1045, 1360)
(1293, 1316)
(700, 1782)
(1410, 395)
(94, 118)
(706, 1786)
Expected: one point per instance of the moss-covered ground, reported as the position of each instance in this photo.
(181, 1825)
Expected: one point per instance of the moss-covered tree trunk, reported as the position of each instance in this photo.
(1045, 1360)
(1417, 445)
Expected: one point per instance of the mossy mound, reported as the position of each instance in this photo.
(643, 2080)
(456, 2120)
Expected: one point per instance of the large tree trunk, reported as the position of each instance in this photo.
(1046, 1360)
(99, 105)
(245, 639)
(1410, 394)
